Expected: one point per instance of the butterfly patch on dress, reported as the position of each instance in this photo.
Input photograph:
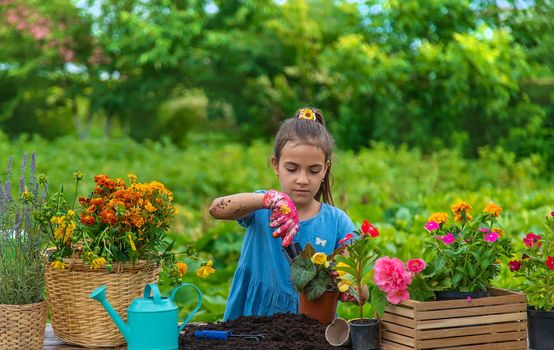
(321, 242)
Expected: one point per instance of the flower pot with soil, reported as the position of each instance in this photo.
(313, 276)
(322, 309)
(365, 334)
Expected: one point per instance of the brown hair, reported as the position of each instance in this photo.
(312, 132)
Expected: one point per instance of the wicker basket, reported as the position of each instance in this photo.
(79, 320)
(22, 326)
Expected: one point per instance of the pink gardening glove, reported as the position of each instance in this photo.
(283, 215)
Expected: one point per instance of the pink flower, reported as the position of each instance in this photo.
(532, 240)
(431, 226)
(552, 214)
(484, 230)
(469, 299)
(396, 296)
(491, 237)
(346, 238)
(416, 265)
(448, 239)
(390, 275)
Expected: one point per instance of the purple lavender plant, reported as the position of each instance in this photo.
(21, 239)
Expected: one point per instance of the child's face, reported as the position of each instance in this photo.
(300, 170)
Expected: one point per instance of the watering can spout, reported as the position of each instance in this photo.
(99, 294)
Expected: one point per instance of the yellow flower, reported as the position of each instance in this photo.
(64, 227)
(149, 207)
(57, 219)
(97, 263)
(70, 213)
(58, 265)
(26, 195)
(439, 218)
(205, 270)
(339, 271)
(319, 258)
(306, 113)
(132, 177)
(493, 209)
(343, 286)
(133, 247)
(459, 208)
(182, 268)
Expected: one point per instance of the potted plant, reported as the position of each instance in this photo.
(313, 276)
(115, 236)
(464, 255)
(22, 303)
(535, 267)
(391, 280)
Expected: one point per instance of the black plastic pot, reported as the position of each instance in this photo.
(453, 295)
(540, 327)
(365, 334)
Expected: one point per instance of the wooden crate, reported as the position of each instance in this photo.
(495, 322)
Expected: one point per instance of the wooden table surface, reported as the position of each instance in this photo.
(53, 343)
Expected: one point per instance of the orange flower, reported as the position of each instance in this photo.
(136, 214)
(439, 218)
(493, 209)
(107, 216)
(88, 219)
(459, 208)
(182, 268)
(138, 221)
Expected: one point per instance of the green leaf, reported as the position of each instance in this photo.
(457, 278)
(302, 271)
(317, 286)
(471, 270)
(378, 301)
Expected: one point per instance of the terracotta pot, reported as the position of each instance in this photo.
(323, 309)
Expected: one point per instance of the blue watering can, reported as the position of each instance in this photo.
(153, 322)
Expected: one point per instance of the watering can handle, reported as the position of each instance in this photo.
(153, 287)
(193, 312)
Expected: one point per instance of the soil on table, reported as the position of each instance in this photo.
(280, 331)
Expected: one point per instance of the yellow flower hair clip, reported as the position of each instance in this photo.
(306, 113)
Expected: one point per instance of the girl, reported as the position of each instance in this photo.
(303, 212)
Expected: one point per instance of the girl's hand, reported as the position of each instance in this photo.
(283, 215)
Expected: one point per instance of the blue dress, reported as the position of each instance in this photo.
(262, 284)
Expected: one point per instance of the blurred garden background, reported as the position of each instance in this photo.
(429, 101)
